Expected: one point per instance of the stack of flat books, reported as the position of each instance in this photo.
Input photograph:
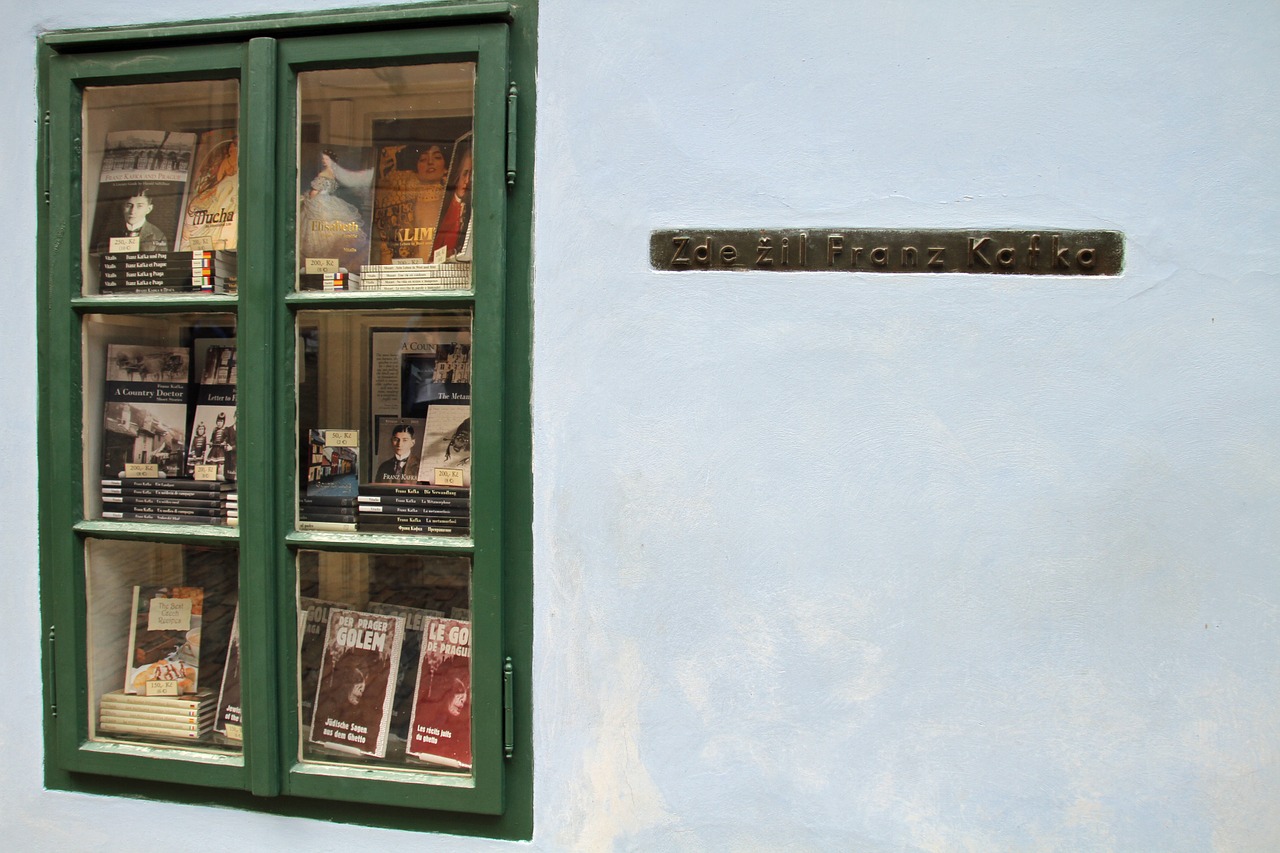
(183, 718)
(166, 499)
(205, 271)
(409, 508)
(421, 276)
(330, 282)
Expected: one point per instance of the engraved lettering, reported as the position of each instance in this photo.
(1033, 251)
(680, 258)
(857, 253)
(1006, 257)
(909, 256)
(835, 248)
(802, 249)
(975, 252)
(880, 256)
(764, 253)
(1060, 256)
(1086, 258)
(937, 257)
(728, 253)
(785, 245)
(702, 253)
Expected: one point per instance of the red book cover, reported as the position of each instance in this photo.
(440, 729)
(357, 682)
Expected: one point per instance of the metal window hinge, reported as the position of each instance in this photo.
(512, 96)
(508, 712)
(44, 155)
(53, 672)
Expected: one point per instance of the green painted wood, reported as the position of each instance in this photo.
(255, 351)
(502, 543)
(281, 26)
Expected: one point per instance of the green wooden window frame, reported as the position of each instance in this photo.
(265, 55)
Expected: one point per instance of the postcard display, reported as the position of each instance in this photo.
(384, 416)
(383, 401)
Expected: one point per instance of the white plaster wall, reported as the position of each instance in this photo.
(830, 562)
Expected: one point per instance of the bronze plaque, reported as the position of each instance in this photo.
(1043, 251)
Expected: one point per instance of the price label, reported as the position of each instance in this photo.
(169, 614)
(163, 688)
(448, 477)
(440, 255)
(206, 472)
(321, 265)
(124, 244)
(139, 469)
(234, 732)
(342, 437)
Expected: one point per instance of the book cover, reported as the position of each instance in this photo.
(145, 426)
(446, 446)
(396, 442)
(357, 682)
(227, 718)
(412, 170)
(211, 454)
(141, 190)
(334, 208)
(440, 727)
(313, 618)
(331, 463)
(210, 219)
(164, 640)
(455, 214)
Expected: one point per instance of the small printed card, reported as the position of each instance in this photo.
(141, 469)
(316, 266)
(124, 244)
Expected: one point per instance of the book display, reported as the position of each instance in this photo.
(338, 388)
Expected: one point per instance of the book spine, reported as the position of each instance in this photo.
(420, 529)
(131, 501)
(151, 731)
(373, 511)
(187, 519)
(164, 483)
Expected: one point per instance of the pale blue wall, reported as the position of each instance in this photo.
(830, 562)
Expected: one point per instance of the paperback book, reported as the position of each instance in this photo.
(147, 394)
(440, 726)
(332, 456)
(164, 640)
(334, 208)
(210, 218)
(141, 191)
(227, 718)
(357, 682)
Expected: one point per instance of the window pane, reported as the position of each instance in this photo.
(164, 662)
(384, 178)
(160, 418)
(384, 664)
(160, 187)
(384, 421)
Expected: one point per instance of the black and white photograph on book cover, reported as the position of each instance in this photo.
(446, 448)
(145, 416)
(141, 189)
(396, 447)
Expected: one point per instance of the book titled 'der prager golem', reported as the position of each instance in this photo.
(357, 682)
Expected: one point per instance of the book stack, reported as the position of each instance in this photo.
(420, 509)
(226, 271)
(421, 276)
(330, 282)
(182, 718)
(165, 499)
(326, 512)
(163, 272)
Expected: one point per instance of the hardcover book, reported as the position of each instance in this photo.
(147, 394)
(357, 682)
(164, 640)
(210, 219)
(142, 189)
(440, 727)
(455, 215)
